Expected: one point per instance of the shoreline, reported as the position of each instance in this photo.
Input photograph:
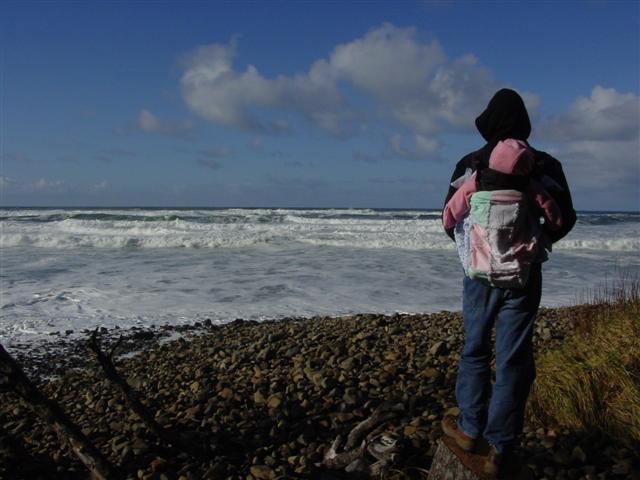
(276, 393)
(68, 351)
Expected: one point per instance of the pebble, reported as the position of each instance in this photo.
(578, 454)
(274, 401)
(438, 348)
(226, 393)
(277, 394)
(262, 472)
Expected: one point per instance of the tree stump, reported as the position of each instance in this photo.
(452, 463)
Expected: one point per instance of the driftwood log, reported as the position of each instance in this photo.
(452, 463)
(130, 395)
(380, 415)
(132, 398)
(380, 447)
(173, 440)
(14, 379)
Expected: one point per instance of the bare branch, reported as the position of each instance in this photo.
(131, 396)
(385, 412)
(13, 377)
(113, 349)
(335, 460)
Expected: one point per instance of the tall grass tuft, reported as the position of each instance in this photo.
(592, 382)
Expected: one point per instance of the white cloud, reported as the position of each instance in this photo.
(6, 182)
(99, 187)
(11, 185)
(215, 91)
(423, 147)
(608, 165)
(413, 94)
(388, 62)
(605, 115)
(412, 83)
(598, 142)
(148, 122)
(46, 185)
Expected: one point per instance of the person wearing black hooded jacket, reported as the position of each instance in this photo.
(507, 117)
(497, 412)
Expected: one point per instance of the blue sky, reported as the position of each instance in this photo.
(310, 104)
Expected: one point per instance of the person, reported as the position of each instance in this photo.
(504, 235)
(497, 413)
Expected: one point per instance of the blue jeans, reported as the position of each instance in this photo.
(497, 413)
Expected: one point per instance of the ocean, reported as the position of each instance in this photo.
(65, 269)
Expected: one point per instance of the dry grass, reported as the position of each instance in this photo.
(592, 383)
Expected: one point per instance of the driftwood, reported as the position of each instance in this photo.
(335, 460)
(131, 396)
(381, 447)
(14, 378)
(184, 442)
(452, 463)
(382, 414)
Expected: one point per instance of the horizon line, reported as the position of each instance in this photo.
(202, 207)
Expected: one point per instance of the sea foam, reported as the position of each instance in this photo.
(238, 228)
(75, 269)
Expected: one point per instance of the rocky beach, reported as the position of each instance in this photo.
(266, 400)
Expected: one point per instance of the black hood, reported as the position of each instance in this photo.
(505, 117)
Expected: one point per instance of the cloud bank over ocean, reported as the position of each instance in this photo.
(418, 93)
(235, 106)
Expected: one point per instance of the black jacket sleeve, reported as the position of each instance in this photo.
(553, 169)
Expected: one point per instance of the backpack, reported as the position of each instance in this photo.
(499, 239)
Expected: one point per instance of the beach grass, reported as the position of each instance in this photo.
(591, 384)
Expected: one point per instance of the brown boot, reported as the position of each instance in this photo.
(501, 465)
(493, 462)
(451, 429)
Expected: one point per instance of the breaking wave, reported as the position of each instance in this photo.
(238, 228)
